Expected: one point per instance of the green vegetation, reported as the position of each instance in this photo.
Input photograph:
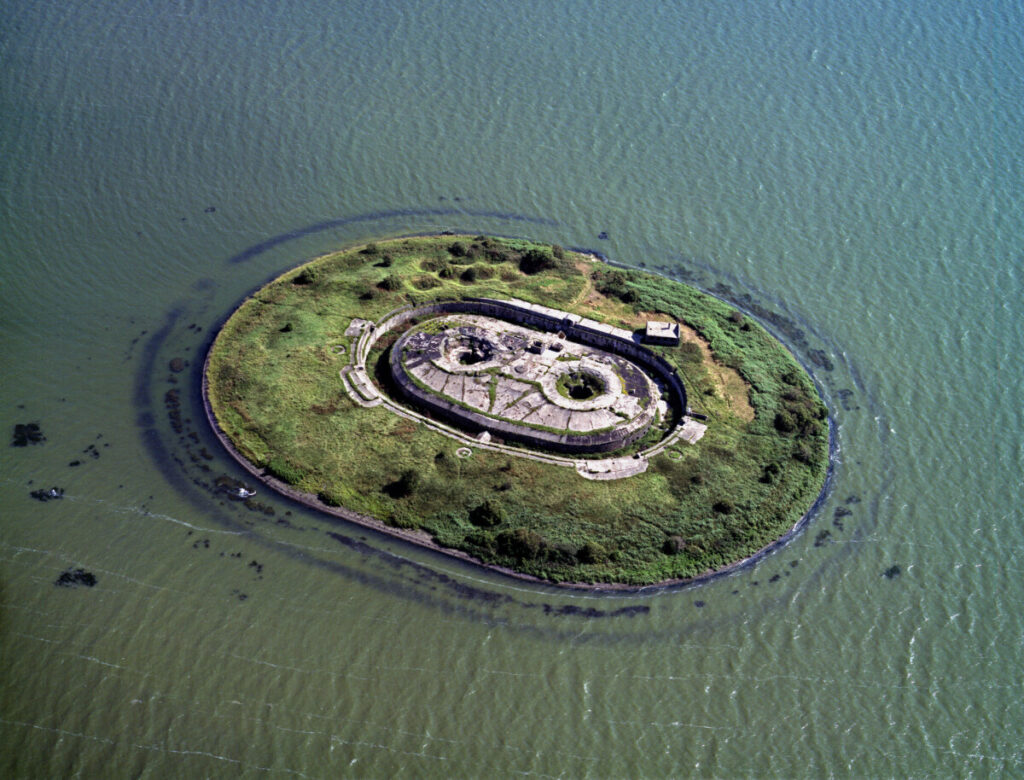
(579, 385)
(275, 391)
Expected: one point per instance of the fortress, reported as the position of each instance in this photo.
(527, 373)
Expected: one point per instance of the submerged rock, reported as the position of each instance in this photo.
(27, 433)
(47, 495)
(233, 487)
(72, 578)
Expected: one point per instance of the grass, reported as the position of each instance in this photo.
(275, 390)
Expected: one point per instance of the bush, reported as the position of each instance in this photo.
(390, 283)
(425, 283)
(487, 515)
(521, 543)
(724, 506)
(457, 249)
(785, 422)
(592, 552)
(306, 276)
(496, 253)
(802, 453)
(369, 249)
(613, 284)
(405, 485)
(674, 545)
(328, 498)
(534, 261)
(470, 275)
(558, 251)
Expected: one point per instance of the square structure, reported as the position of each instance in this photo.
(666, 333)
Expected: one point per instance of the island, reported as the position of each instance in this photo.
(522, 406)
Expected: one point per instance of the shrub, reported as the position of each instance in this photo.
(425, 283)
(501, 256)
(390, 283)
(558, 251)
(802, 453)
(534, 261)
(592, 552)
(405, 485)
(561, 554)
(724, 506)
(306, 276)
(487, 515)
(470, 275)
(457, 249)
(521, 543)
(785, 422)
(613, 284)
(328, 498)
(369, 249)
(674, 545)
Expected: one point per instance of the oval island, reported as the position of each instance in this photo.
(522, 406)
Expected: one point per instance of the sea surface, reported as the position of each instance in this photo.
(851, 173)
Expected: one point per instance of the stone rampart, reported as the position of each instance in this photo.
(582, 330)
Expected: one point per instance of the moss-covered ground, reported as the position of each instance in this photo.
(276, 393)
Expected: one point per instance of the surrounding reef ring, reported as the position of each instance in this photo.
(294, 412)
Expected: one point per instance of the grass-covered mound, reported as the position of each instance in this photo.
(274, 388)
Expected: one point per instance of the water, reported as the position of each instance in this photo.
(853, 168)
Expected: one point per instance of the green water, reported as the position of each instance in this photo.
(855, 169)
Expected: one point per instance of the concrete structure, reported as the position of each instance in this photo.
(549, 331)
(662, 333)
(485, 374)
